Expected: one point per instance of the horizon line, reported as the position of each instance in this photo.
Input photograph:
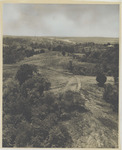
(60, 36)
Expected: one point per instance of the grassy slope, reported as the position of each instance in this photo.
(95, 128)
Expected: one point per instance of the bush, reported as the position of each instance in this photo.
(24, 133)
(101, 79)
(70, 66)
(70, 101)
(25, 72)
(49, 99)
(79, 70)
(42, 51)
(9, 132)
(63, 53)
(58, 137)
(110, 95)
(42, 128)
(11, 54)
(29, 53)
(115, 74)
(28, 116)
(35, 86)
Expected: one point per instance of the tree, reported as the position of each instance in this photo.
(63, 53)
(115, 66)
(110, 95)
(115, 73)
(34, 87)
(25, 72)
(101, 79)
(70, 66)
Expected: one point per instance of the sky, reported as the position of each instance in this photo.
(67, 20)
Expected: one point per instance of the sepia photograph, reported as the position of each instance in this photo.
(60, 75)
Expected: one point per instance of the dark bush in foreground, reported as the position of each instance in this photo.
(23, 134)
(110, 95)
(32, 115)
(58, 137)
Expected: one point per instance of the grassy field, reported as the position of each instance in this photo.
(98, 126)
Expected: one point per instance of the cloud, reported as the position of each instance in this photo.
(61, 20)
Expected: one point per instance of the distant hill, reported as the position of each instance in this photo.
(100, 40)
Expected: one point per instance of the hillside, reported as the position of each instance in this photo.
(97, 125)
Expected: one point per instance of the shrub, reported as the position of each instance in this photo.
(78, 70)
(42, 51)
(110, 95)
(23, 136)
(63, 53)
(70, 101)
(115, 74)
(29, 53)
(70, 66)
(101, 79)
(39, 112)
(49, 99)
(58, 137)
(11, 54)
(25, 72)
(9, 132)
(35, 86)
(42, 128)
(10, 98)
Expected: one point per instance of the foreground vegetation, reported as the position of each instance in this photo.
(51, 97)
(32, 116)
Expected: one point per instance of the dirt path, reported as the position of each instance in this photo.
(73, 85)
(98, 128)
